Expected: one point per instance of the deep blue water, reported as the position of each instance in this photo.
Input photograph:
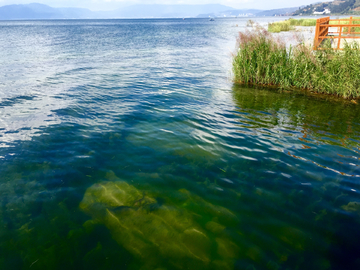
(125, 145)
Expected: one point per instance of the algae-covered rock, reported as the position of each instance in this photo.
(293, 237)
(352, 207)
(198, 204)
(164, 236)
(215, 227)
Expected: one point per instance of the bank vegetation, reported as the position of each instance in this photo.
(289, 24)
(263, 59)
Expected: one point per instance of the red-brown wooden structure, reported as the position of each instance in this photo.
(344, 31)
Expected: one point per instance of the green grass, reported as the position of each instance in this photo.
(290, 24)
(277, 27)
(302, 22)
(356, 20)
(264, 60)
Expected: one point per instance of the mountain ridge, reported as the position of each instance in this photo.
(335, 7)
(41, 11)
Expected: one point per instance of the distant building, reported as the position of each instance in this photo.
(246, 15)
(325, 11)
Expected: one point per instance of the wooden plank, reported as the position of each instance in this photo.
(343, 37)
(338, 25)
(323, 31)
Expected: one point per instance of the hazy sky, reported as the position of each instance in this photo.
(113, 4)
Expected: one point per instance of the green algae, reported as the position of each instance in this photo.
(168, 236)
(320, 118)
(352, 207)
(177, 143)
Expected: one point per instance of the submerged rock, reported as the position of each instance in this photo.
(163, 236)
(352, 207)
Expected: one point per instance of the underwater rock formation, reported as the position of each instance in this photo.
(162, 235)
(352, 207)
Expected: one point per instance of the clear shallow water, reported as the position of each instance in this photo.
(124, 145)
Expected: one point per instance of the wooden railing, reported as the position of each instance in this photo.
(344, 31)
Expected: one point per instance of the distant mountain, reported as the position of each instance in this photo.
(40, 11)
(336, 6)
(27, 12)
(231, 13)
(277, 12)
(78, 13)
(167, 11)
(251, 12)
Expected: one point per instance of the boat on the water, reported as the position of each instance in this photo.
(211, 19)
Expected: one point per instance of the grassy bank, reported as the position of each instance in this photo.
(290, 24)
(262, 59)
(355, 20)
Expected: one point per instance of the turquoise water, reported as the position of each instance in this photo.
(125, 145)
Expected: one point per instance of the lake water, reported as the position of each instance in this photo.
(125, 145)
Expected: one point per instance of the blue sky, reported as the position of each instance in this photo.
(113, 4)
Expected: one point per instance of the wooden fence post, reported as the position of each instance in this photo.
(317, 30)
(338, 46)
(350, 22)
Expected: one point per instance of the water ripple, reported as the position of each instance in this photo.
(150, 102)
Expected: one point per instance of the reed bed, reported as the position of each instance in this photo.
(302, 22)
(277, 27)
(263, 59)
(289, 25)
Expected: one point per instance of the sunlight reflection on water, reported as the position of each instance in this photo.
(262, 178)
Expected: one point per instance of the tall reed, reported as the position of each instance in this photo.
(262, 59)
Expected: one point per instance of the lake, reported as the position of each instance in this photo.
(125, 145)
